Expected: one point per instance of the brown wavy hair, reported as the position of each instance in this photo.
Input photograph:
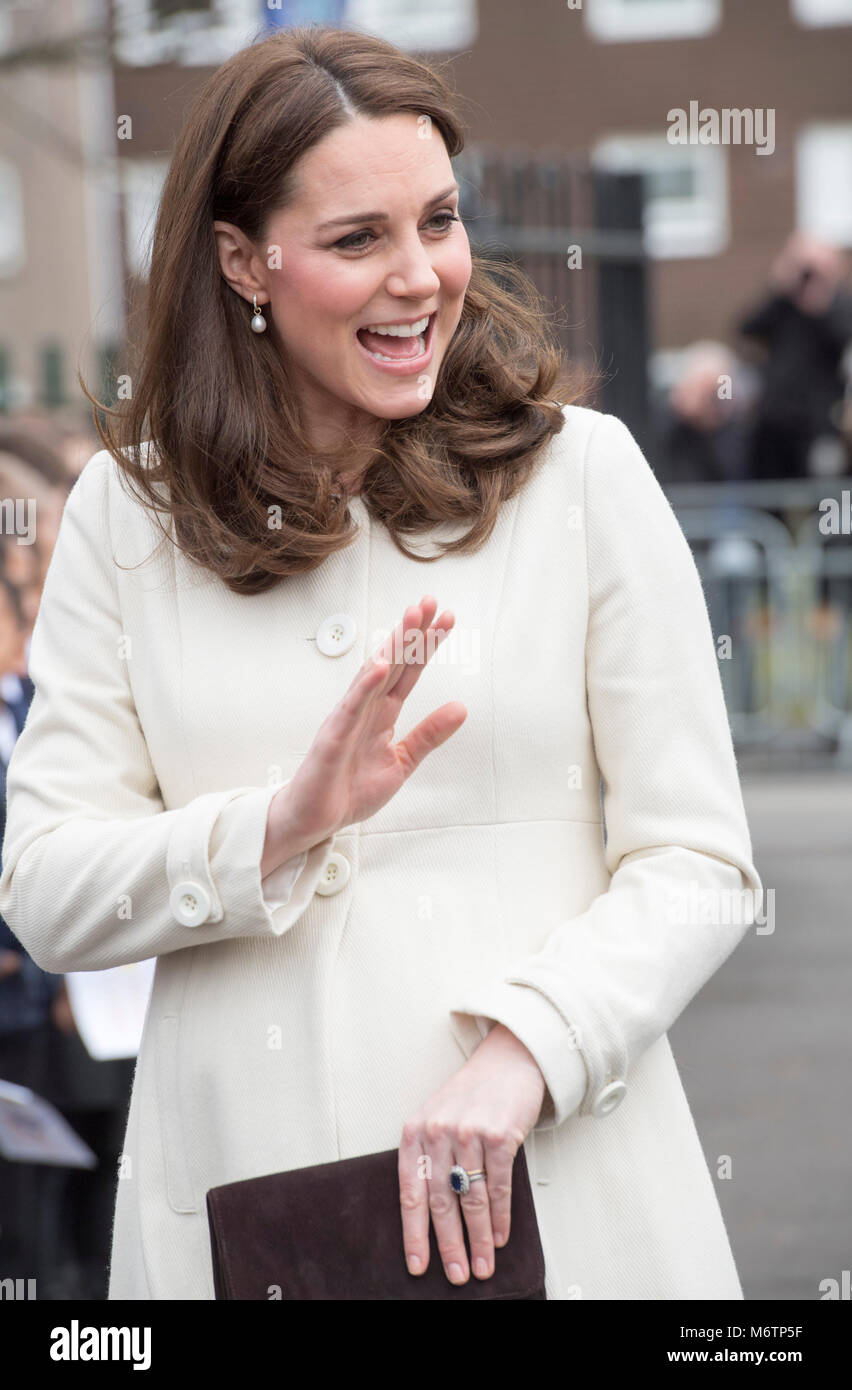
(219, 402)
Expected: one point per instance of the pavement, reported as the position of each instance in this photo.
(765, 1049)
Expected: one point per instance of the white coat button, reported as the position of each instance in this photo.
(607, 1099)
(337, 634)
(190, 903)
(335, 874)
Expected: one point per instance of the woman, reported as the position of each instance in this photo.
(366, 944)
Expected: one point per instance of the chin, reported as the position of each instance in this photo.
(402, 408)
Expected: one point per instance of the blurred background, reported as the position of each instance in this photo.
(676, 177)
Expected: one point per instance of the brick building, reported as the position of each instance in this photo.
(596, 76)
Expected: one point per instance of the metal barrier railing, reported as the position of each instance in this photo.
(776, 565)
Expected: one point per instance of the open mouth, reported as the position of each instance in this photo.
(395, 353)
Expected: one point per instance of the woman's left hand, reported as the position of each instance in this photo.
(478, 1119)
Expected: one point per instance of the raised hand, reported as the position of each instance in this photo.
(353, 767)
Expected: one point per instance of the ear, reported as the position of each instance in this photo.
(237, 261)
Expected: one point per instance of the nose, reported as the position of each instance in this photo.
(413, 275)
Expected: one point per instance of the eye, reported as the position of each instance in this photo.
(348, 242)
(450, 216)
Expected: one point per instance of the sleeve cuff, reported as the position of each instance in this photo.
(543, 1031)
(278, 885)
(236, 848)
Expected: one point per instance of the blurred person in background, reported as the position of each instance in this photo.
(56, 1221)
(805, 327)
(703, 436)
(33, 505)
(702, 429)
(93, 1096)
(26, 995)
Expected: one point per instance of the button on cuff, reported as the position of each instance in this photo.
(335, 874)
(581, 1003)
(187, 858)
(306, 886)
(236, 850)
(606, 1100)
(190, 903)
(543, 1031)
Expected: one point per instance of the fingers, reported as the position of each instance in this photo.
(425, 1161)
(371, 679)
(445, 1211)
(417, 616)
(475, 1208)
(425, 1194)
(499, 1162)
(414, 1203)
(387, 669)
(486, 1207)
(404, 647)
(419, 652)
(384, 653)
(430, 733)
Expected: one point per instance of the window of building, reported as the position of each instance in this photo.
(12, 242)
(184, 31)
(617, 21)
(824, 181)
(686, 192)
(817, 14)
(442, 25)
(142, 185)
(210, 31)
(52, 363)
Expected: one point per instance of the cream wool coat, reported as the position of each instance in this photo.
(168, 709)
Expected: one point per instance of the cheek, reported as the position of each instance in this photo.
(455, 269)
(317, 297)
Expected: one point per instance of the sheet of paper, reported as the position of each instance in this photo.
(33, 1131)
(109, 1007)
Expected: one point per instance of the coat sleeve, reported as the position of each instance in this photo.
(683, 891)
(95, 872)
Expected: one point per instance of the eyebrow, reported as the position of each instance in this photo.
(383, 216)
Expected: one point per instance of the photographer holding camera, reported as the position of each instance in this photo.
(805, 326)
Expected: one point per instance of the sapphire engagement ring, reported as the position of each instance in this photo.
(461, 1179)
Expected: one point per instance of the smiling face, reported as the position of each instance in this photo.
(370, 239)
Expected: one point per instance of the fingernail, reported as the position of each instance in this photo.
(414, 1264)
(481, 1268)
(499, 1240)
(456, 1274)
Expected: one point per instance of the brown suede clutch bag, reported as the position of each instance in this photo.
(334, 1231)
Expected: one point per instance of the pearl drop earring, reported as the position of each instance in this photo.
(258, 323)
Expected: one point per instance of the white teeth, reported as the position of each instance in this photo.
(381, 357)
(400, 330)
